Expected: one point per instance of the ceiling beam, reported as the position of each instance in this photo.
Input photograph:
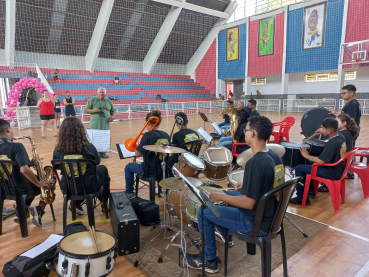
(10, 32)
(194, 8)
(160, 40)
(205, 45)
(98, 35)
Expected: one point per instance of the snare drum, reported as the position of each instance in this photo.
(76, 254)
(193, 204)
(235, 176)
(189, 165)
(316, 146)
(293, 156)
(217, 161)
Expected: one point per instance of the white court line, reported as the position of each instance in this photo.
(363, 271)
(334, 228)
(113, 151)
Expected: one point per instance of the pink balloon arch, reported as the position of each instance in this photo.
(16, 91)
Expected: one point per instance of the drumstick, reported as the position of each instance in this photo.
(208, 194)
(93, 240)
(303, 142)
(97, 243)
(320, 136)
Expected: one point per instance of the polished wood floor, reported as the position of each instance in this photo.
(341, 250)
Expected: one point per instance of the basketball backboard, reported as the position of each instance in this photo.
(355, 53)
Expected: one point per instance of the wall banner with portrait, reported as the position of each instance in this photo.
(266, 36)
(233, 43)
(314, 26)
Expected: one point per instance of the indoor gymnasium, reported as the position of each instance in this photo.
(184, 138)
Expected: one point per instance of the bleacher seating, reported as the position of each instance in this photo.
(134, 87)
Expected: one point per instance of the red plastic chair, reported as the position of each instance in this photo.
(336, 187)
(234, 154)
(284, 129)
(362, 170)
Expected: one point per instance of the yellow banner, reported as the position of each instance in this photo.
(232, 44)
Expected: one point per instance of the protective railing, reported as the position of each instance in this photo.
(303, 105)
(364, 105)
(268, 105)
(21, 119)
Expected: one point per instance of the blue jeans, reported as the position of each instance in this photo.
(230, 217)
(224, 125)
(223, 141)
(129, 172)
(300, 171)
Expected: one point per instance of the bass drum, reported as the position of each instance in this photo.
(76, 255)
(312, 120)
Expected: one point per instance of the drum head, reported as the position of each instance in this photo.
(312, 120)
(218, 155)
(316, 142)
(195, 161)
(81, 243)
(293, 145)
(190, 196)
(236, 176)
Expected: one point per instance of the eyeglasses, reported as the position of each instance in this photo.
(247, 130)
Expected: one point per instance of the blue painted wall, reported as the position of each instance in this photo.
(324, 58)
(232, 69)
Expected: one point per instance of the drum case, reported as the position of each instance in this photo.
(125, 223)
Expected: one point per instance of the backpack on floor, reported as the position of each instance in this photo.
(146, 211)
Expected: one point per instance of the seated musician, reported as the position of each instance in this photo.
(184, 134)
(154, 137)
(16, 152)
(73, 143)
(259, 178)
(334, 150)
(225, 125)
(239, 135)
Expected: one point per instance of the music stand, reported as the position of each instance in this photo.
(205, 203)
(204, 117)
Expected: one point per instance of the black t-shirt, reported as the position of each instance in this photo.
(90, 154)
(256, 112)
(14, 152)
(353, 109)
(226, 119)
(348, 138)
(241, 138)
(334, 150)
(184, 136)
(155, 137)
(263, 172)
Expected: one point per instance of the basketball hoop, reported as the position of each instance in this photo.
(356, 63)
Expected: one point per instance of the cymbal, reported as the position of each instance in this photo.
(164, 149)
(176, 183)
(247, 155)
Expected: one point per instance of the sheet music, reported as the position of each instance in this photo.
(42, 247)
(125, 152)
(217, 128)
(204, 134)
(100, 139)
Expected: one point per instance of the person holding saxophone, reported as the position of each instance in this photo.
(16, 152)
(153, 136)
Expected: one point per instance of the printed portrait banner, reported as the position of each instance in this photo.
(314, 26)
(233, 44)
(266, 36)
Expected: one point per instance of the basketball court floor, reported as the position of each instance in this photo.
(340, 250)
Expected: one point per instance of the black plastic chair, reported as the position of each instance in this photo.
(284, 193)
(72, 187)
(193, 146)
(153, 179)
(20, 199)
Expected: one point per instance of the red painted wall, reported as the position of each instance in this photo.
(357, 27)
(266, 65)
(206, 72)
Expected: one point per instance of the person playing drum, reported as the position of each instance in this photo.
(333, 151)
(262, 172)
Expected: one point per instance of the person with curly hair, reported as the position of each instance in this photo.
(73, 143)
(154, 137)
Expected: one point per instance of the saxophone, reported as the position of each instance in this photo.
(44, 174)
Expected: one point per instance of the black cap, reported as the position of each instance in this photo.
(230, 101)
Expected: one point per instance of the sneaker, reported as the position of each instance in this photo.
(104, 156)
(219, 234)
(131, 195)
(7, 211)
(37, 214)
(16, 218)
(195, 261)
(79, 209)
(298, 201)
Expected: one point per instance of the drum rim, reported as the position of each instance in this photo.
(85, 256)
(234, 171)
(317, 141)
(305, 145)
(187, 161)
(217, 165)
